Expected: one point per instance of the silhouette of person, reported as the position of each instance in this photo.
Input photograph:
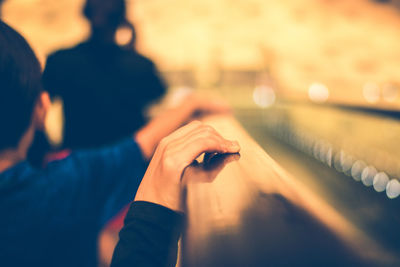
(105, 87)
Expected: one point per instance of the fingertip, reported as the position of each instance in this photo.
(234, 146)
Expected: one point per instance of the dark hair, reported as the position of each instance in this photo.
(105, 13)
(20, 86)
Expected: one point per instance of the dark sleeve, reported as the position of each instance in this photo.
(149, 237)
(96, 184)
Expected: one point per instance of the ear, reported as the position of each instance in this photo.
(42, 106)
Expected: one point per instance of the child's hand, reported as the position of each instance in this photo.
(204, 104)
(161, 183)
(169, 120)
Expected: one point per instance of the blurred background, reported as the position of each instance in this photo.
(351, 47)
(315, 82)
(318, 63)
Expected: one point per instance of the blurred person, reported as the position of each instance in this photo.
(105, 87)
(52, 216)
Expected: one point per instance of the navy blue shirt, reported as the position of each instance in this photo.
(53, 217)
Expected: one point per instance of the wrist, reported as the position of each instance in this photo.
(165, 200)
(160, 190)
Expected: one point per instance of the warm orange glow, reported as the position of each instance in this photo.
(338, 43)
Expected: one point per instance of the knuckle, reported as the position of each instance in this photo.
(164, 142)
(208, 130)
(169, 162)
(204, 136)
(208, 142)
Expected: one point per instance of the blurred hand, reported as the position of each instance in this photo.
(207, 104)
(171, 119)
(161, 183)
(204, 102)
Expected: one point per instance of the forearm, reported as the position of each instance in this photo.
(149, 237)
(150, 135)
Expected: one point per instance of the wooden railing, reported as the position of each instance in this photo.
(245, 210)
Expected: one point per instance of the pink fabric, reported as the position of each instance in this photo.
(117, 222)
(59, 155)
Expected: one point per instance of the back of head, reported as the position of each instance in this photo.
(105, 14)
(20, 86)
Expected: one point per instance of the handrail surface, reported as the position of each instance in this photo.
(248, 211)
